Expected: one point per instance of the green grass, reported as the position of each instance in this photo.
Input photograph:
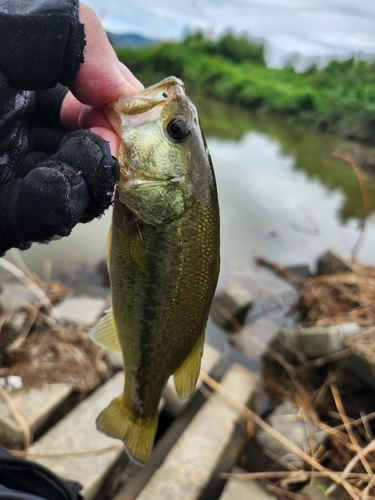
(339, 98)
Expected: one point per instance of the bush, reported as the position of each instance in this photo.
(339, 97)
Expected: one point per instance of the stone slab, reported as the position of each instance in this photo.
(74, 449)
(332, 262)
(286, 420)
(323, 341)
(235, 300)
(190, 463)
(81, 309)
(15, 295)
(238, 489)
(35, 405)
(314, 342)
(173, 404)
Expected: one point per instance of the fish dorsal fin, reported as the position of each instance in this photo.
(186, 376)
(105, 333)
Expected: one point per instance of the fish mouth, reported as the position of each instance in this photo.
(151, 100)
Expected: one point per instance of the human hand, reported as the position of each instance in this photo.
(101, 79)
(43, 195)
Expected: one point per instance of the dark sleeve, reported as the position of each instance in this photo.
(41, 42)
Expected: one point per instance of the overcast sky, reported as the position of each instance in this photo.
(308, 27)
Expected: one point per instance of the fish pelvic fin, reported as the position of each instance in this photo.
(138, 434)
(105, 333)
(186, 376)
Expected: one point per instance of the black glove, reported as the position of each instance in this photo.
(54, 196)
(41, 42)
(45, 188)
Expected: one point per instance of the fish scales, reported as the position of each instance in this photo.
(163, 258)
(171, 302)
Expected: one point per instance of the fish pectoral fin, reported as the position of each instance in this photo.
(138, 434)
(186, 376)
(105, 333)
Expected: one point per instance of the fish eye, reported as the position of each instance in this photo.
(178, 129)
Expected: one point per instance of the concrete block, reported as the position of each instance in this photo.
(173, 404)
(361, 360)
(81, 309)
(192, 460)
(302, 272)
(74, 449)
(302, 433)
(332, 262)
(316, 342)
(237, 489)
(15, 295)
(285, 343)
(16, 323)
(313, 342)
(36, 406)
(235, 300)
(253, 339)
(11, 382)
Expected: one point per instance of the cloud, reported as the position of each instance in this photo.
(309, 27)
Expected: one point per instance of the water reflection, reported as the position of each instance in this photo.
(312, 151)
(269, 207)
(282, 195)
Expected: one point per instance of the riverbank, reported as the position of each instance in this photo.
(339, 98)
(313, 410)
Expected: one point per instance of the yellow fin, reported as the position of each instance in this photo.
(186, 376)
(105, 333)
(138, 434)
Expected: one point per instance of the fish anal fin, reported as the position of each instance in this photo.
(138, 434)
(105, 333)
(186, 376)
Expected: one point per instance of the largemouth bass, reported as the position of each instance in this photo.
(163, 257)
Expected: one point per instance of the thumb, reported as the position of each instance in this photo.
(101, 78)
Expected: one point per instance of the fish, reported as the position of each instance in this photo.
(163, 256)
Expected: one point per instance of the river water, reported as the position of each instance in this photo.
(282, 196)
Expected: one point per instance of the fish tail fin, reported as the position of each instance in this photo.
(186, 376)
(138, 434)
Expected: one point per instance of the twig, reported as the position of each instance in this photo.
(364, 420)
(305, 475)
(290, 369)
(353, 492)
(330, 358)
(366, 491)
(67, 453)
(258, 342)
(17, 417)
(353, 462)
(19, 341)
(364, 192)
(344, 418)
(33, 287)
